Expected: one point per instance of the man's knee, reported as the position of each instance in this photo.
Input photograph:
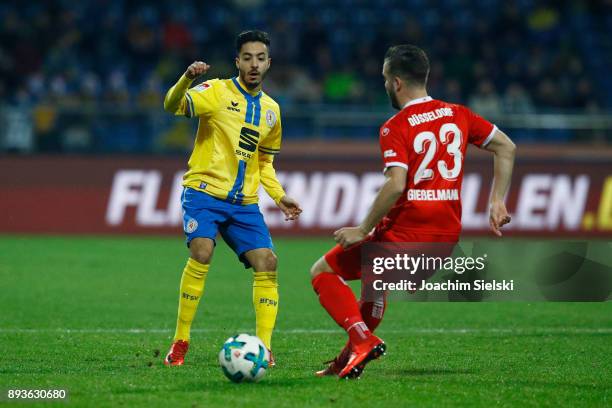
(201, 249)
(319, 267)
(264, 261)
(270, 261)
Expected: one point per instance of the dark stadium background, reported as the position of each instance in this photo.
(87, 73)
(90, 226)
(81, 87)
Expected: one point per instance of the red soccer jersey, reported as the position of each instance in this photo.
(429, 138)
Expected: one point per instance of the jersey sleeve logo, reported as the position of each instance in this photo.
(270, 118)
(385, 131)
(201, 87)
(389, 153)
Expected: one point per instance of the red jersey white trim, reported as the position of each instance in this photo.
(396, 164)
(489, 138)
(418, 100)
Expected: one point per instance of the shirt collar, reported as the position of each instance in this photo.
(243, 89)
(417, 101)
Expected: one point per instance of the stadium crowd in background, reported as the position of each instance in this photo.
(495, 56)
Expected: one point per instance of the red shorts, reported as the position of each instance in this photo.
(347, 263)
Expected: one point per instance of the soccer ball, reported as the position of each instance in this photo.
(244, 358)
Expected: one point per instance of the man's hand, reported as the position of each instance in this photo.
(348, 236)
(198, 68)
(498, 217)
(290, 208)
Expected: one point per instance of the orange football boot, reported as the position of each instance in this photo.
(176, 355)
(362, 354)
(337, 364)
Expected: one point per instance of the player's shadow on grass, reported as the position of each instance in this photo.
(220, 384)
(512, 382)
(427, 371)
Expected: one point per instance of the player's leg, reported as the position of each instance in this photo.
(191, 289)
(249, 237)
(201, 215)
(335, 365)
(265, 292)
(192, 284)
(334, 294)
(328, 280)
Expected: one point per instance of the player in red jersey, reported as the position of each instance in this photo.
(423, 149)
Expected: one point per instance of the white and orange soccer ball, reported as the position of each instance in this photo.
(244, 358)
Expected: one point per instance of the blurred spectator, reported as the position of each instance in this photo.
(17, 135)
(117, 88)
(90, 88)
(517, 100)
(547, 94)
(152, 95)
(342, 86)
(452, 91)
(486, 101)
(543, 18)
(176, 35)
(302, 88)
(583, 97)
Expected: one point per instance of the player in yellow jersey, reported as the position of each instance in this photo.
(239, 133)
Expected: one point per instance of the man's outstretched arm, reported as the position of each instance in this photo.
(387, 196)
(503, 163)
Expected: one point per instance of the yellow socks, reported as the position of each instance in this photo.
(192, 287)
(265, 301)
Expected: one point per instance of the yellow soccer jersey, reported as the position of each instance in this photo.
(238, 135)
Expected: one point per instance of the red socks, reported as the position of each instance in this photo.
(372, 313)
(340, 302)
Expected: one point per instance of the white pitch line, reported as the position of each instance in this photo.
(429, 330)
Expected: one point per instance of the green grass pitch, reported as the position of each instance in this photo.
(96, 315)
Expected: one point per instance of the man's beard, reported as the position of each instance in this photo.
(252, 85)
(393, 99)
